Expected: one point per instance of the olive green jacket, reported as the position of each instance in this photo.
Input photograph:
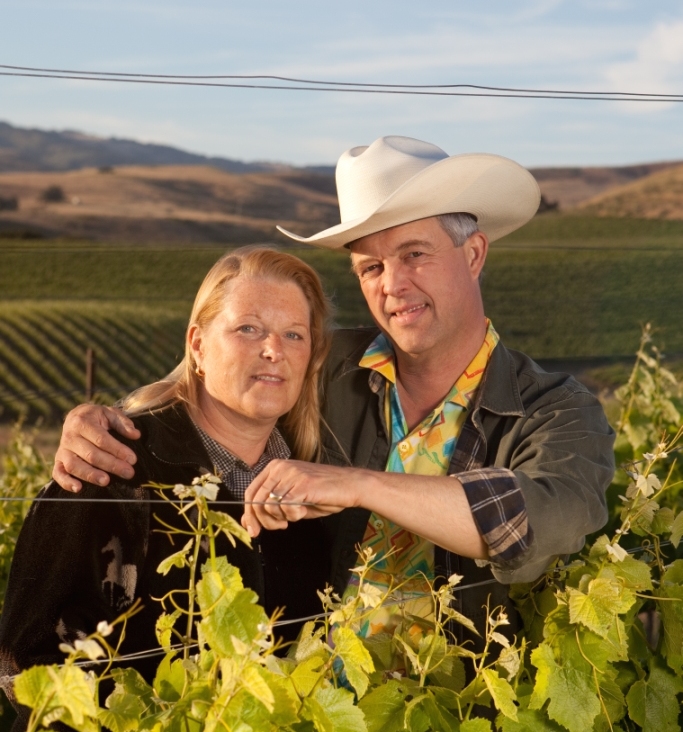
(548, 429)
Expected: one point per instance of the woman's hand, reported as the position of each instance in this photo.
(86, 445)
(276, 495)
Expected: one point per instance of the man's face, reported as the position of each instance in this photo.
(422, 291)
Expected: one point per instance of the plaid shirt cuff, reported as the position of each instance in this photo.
(499, 510)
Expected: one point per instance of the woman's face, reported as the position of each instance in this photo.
(255, 353)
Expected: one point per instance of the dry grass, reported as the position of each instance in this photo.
(658, 196)
(171, 203)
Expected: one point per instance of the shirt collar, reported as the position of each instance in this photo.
(276, 449)
(380, 359)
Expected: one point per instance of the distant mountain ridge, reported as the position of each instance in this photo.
(33, 150)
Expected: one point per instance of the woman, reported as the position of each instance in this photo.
(255, 346)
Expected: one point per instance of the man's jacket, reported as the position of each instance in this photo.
(546, 428)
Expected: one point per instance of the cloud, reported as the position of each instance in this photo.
(657, 66)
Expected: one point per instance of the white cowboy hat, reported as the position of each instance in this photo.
(398, 179)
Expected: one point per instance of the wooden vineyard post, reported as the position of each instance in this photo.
(90, 363)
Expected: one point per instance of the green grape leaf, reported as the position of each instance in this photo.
(636, 574)
(425, 708)
(573, 700)
(220, 582)
(677, 530)
(671, 611)
(309, 642)
(652, 704)
(502, 693)
(380, 646)
(333, 710)
(528, 720)
(240, 618)
(613, 699)
(450, 674)
(355, 656)
(231, 528)
(164, 628)
(286, 700)
(123, 712)
(253, 683)
(170, 679)
(307, 674)
(33, 687)
(384, 707)
(77, 695)
(475, 725)
(177, 559)
(446, 697)
(663, 521)
(61, 692)
(129, 680)
(597, 610)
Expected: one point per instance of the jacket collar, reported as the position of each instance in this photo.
(498, 393)
(170, 436)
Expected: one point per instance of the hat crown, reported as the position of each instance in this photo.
(367, 175)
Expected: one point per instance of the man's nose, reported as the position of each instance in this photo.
(394, 281)
(272, 347)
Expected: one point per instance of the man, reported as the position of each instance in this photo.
(488, 459)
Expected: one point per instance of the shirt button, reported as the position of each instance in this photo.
(404, 446)
(378, 523)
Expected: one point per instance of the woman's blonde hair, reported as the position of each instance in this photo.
(302, 422)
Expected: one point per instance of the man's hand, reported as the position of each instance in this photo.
(434, 508)
(86, 445)
(283, 483)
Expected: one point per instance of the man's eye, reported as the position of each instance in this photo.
(413, 255)
(369, 270)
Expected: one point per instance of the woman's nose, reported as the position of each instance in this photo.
(272, 347)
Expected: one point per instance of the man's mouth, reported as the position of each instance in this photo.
(404, 312)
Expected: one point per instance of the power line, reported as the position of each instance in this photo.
(334, 83)
(339, 87)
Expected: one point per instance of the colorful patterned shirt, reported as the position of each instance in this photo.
(401, 556)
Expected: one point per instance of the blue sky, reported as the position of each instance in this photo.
(622, 45)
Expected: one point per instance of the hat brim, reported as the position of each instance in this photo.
(499, 193)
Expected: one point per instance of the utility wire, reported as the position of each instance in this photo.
(346, 87)
(354, 84)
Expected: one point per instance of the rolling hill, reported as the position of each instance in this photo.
(30, 149)
(169, 204)
(658, 196)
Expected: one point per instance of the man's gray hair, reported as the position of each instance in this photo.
(459, 226)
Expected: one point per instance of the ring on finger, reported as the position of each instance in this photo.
(275, 497)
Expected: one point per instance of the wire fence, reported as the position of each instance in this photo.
(396, 600)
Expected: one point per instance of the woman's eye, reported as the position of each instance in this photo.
(294, 336)
(247, 329)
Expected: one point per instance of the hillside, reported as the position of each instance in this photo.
(24, 149)
(42, 151)
(570, 187)
(170, 204)
(658, 196)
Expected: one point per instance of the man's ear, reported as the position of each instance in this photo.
(476, 249)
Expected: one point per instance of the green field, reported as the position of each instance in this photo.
(562, 287)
